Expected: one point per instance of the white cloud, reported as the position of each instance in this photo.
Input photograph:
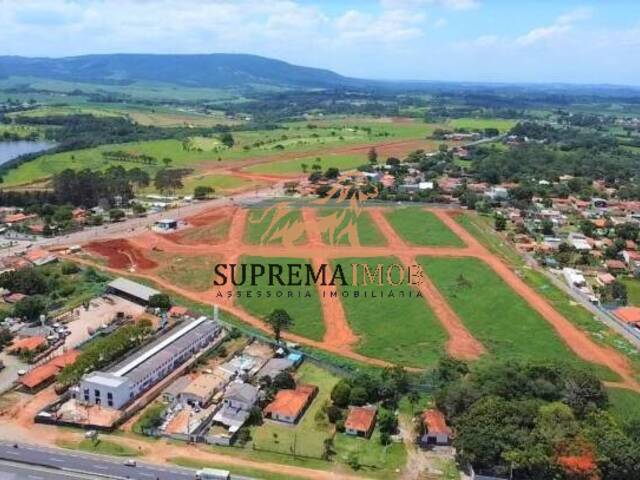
(562, 25)
(440, 23)
(415, 4)
(388, 26)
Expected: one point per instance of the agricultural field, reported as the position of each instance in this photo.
(417, 226)
(305, 310)
(192, 272)
(401, 330)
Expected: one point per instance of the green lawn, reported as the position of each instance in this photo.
(375, 458)
(220, 183)
(193, 272)
(365, 233)
(401, 330)
(498, 317)
(633, 290)
(259, 220)
(235, 470)
(420, 227)
(305, 310)
(624, 404)
(309, 434)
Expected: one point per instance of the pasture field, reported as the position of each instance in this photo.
(494, 314)
(305, 310)
(23, 131)
(404, 331)
(259, 220)
(420, 227)
(367, 231)
(294, 166)
(503, 125)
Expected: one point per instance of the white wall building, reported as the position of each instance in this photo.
(127, 380)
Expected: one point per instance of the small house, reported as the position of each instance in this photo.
(435, 429)
(289, 405)
(360, 421)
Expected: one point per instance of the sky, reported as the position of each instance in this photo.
(541, 41)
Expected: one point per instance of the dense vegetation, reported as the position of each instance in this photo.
(535, 421)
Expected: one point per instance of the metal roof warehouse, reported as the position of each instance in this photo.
(132, 290)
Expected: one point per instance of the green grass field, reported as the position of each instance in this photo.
(104, 447)
(624, 404)
(401, 330)
(366, 231)
(259, 219)
(295, 137)
(503, 125)
(633, 290)
(341, 162)
(420, 227)
(305, 310)
(374, 457)
(498, 317)
(187, 271)
(220, 183)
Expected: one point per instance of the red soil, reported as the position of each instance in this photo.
(121, 254)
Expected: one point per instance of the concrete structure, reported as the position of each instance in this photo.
(201, 390)
(579, 242)
(130, 290)
(574, 278)
(126, 381)
(166, 225)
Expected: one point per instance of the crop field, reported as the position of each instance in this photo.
(303, 306)
(419, 227)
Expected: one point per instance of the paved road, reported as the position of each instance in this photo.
(22, 471)
(97, 465)
(66, 462)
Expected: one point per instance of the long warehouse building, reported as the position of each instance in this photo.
(123, 383)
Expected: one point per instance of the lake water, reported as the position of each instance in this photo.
(11, 150)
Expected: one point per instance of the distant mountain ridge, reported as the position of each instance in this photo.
(216, 70)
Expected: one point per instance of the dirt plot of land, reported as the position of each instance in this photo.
(339, 337)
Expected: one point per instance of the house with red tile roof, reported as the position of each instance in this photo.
(28, 344)
(289, 405)
(435, 429)
(18, 218)
(46, 373)
(629, 315)
(360, 421)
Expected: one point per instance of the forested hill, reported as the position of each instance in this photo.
(217, 70)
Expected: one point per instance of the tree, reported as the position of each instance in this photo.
(227, 140)
(168, 180)
(202, 191)
(284, 381)
(372, 156)
(358, 396)
(166, 161)
(279, 320)
(160, 300)
(115, 214)
(547, 227)
(30, 308)
(340, 393)
(304, 167)
(387, 421)
(138, 208)
(500, 223)
(332, 173)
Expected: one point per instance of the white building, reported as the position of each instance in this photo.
(579, 242)
(574, 278)
(127, 380)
